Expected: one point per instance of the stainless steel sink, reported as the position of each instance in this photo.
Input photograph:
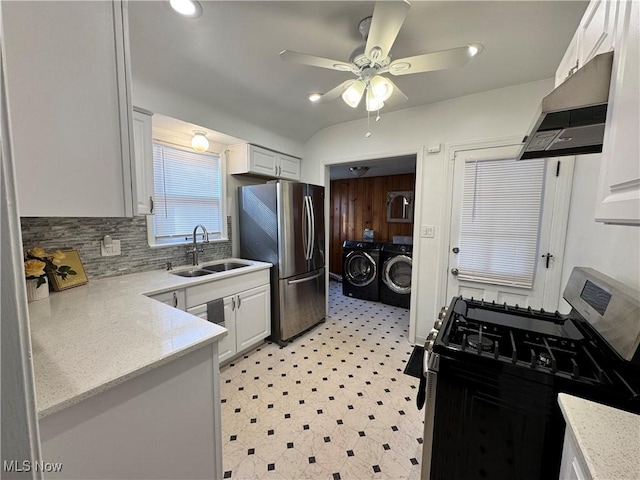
(192, 273)
(223, 267)
(209, 269)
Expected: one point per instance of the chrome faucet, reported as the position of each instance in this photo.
(194, 249)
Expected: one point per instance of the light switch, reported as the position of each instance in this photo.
(109, 248)
(428, 231)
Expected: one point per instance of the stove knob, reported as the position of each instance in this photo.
(443, 312)
(437, 324)
(428, 346)
(432, 334)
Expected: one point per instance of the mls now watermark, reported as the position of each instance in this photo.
(29, 466)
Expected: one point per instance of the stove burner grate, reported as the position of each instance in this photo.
(475, 340)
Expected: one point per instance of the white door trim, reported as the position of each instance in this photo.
(420, 153)
(558, 234)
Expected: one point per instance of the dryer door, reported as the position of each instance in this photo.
(360, 268)
(396, 274)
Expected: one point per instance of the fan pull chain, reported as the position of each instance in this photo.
(368, 134)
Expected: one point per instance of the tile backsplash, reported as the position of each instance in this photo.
(85, 234)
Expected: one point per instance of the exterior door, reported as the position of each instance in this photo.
(544, 261)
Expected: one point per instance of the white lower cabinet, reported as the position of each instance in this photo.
(252, 317)
(164, 423)
(247, 310)
(174, 298)
(572, 467)
(247, 317)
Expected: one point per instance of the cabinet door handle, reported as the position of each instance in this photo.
(175, 299)
(233, 304)
(151, 203)
(238, 301)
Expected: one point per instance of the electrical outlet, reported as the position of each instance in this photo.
(109, 251)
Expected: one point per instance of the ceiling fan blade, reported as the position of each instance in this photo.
(335, 92)
(387, 20)
(397, 96)
(429, 62)
(314, 61)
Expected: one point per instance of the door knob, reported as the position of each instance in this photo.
(454, 272)
(455, 249)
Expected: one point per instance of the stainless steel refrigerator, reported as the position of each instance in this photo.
(282, 222)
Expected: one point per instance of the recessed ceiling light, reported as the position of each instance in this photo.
(314, 97)
(188, 8)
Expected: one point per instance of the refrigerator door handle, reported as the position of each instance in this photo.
(305, 228)
(306, 279)
(309, 244)
(313, 228)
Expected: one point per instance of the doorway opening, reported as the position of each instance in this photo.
(371, 222)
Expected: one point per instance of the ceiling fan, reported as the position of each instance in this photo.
(370, 61)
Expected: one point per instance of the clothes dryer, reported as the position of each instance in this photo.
(395, 274)
(360, 267)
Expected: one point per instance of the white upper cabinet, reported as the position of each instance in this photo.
(143, 171)
(251, 159)
(69, 105)
(596, 30)
(594, 35)
(289, 167)
(569, 63)
(618, 199)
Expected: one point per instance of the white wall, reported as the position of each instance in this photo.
(183, 108)
(612, 249)
(505, 112)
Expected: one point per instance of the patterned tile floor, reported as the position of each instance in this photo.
(333, 404)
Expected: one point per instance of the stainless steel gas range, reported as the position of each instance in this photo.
(493, 373)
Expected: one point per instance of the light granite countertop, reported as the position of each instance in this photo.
(608, 438)
(90, 338)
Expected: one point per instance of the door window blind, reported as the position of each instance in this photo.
(188, 192)
(500, 222)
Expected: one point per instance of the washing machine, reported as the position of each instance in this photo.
(360, 267)
(395, 274)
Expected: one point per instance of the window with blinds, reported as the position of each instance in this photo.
(188, 192)
(501, 209)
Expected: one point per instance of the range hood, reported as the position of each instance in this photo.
(572, 117)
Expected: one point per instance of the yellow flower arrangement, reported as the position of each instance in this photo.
(38, 263)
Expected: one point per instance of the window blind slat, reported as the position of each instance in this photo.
(188, 190)
(500, 221)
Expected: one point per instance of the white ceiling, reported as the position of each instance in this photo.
(228, 58)
(379, 167)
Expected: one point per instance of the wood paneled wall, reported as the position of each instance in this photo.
(359, 203)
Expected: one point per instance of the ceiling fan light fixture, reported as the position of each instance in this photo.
(381, 88)
(188, 8)
(199, 141)
(314, 97)
(373, 103)
(353, 94)
(358, 171)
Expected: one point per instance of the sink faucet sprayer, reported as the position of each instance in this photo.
(194, 249)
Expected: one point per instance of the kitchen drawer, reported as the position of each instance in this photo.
(205, 292)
